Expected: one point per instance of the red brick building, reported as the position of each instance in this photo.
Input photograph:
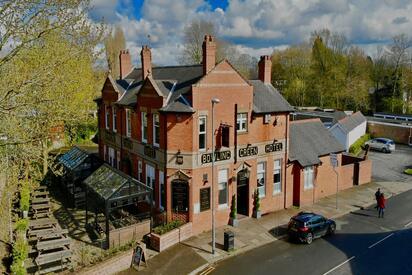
(155, 123)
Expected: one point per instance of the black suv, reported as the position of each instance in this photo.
(308, 226)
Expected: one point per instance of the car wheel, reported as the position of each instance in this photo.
(385, 150)
(331, 229)
(309, 238)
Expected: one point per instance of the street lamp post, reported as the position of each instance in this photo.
(214, 101)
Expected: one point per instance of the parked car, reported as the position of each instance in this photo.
(381, 144)
(308, 226)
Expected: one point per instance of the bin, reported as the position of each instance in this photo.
(229, 237)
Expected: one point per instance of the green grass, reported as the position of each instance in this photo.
(356, 147)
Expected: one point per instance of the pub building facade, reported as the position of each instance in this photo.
(155, 124)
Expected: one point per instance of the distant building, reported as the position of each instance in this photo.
(349, 129)
(328, 116)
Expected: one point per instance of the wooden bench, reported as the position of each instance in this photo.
(40, 200)
(42, 214)
(48, 233)
(37, 194)
(63, 265)
(42, 223)
(47, 258)
(41, 188)
(53, 244)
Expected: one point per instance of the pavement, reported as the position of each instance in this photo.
(362, 244)
(253, 233)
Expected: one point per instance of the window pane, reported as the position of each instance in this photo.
(202, 133)
(222, 186)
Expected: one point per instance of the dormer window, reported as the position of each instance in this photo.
(114, 119)
(107, 117)
(144, 127)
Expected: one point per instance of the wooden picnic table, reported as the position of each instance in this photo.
(43, 245)
(40, 194)
(41, 223)
(48, 233)
(47, 258)
(41, 188)
(40, 206)
(40, 200)
(42, 214)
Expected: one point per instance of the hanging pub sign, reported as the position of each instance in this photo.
(219, 156)
(204, 199)
(273, 147)
(248, 151)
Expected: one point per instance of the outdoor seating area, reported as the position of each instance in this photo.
(49, 243)
(115, 199)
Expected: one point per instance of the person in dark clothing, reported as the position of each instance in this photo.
(377, 195)
(381, 205)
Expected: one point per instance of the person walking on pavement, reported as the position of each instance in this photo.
(381, 205)
(377, 195)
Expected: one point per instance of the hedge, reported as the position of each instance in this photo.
(20, 254)
(357, 146)
(162, 229)
(22, 225)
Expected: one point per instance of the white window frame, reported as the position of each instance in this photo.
(128, 122)
(308, 177)
(151, 179)
(241, 118)
(144, 126)
(118, 159)
(140, 170)
(277, 169)
(111, 156)
(107, 117)
(156, 128)
(203, 133)
(114, 119)
(223, 185)
(261, 175)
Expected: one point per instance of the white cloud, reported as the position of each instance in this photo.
(257, 26)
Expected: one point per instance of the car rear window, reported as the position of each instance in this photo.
(297, 223)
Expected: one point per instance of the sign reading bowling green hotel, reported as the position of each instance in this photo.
(243, 152)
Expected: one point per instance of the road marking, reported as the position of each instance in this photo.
(408, 224)
(336, 267)
(390, 235)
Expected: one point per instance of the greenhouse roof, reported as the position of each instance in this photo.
(111, 184)
(73, 158)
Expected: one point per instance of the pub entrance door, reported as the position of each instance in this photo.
(243, 192)
(180, 200)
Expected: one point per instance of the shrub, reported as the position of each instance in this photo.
(256, 200)
(356, 147)
(20, 253)
(408, 171)
(25, 197)
(22, 225)
(233, 210)
(162, 229)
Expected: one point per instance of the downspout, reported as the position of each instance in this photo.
(286, 158)
(235, 136)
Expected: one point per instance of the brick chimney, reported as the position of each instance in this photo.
(125, 63)
(209, 53)
(146, 56)
(265, 69)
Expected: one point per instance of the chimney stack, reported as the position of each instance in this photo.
(146, 56)
(265, 69)
(209, 53)
(125, 63)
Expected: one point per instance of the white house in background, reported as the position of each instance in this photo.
(348, 129)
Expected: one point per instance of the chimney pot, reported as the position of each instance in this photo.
(265, 69)
(125, 63)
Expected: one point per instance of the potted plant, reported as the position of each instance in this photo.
(256, 205)
(233, 213)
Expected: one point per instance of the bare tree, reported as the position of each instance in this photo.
(114, 42)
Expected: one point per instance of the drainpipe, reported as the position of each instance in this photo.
(235, 136)
(286, 158)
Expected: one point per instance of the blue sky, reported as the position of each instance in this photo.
(256, 26)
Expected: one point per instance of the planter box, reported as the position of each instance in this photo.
(162, 242)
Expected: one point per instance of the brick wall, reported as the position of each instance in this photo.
(123, 235)
(111, 266)
(398, 133)
(365, 171)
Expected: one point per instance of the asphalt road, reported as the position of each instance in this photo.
(390, 167)
(363, 244)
